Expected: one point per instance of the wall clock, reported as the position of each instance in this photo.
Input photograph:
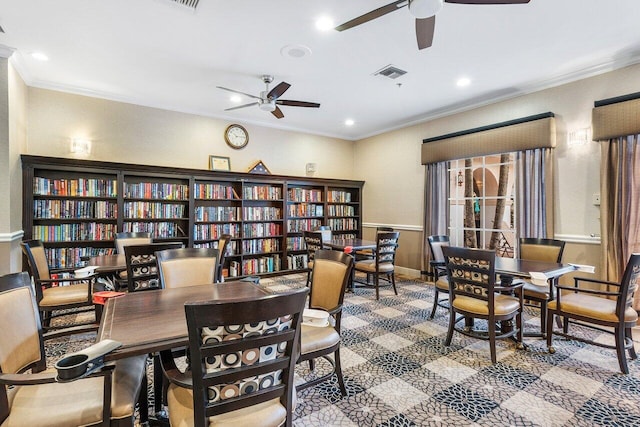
(236, 136)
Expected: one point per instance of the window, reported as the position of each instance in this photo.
(482, 208)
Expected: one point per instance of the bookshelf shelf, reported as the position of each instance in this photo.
(265, 215)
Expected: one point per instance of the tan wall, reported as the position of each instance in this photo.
(390, 162)
(130, 133)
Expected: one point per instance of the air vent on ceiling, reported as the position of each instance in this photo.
(390, 71)
(191, 4)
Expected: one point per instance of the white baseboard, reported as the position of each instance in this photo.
(409, 272)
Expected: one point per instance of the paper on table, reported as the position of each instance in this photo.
(584, 268)
(538, 278)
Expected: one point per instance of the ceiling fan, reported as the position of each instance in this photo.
(424, 11)
(270, 99)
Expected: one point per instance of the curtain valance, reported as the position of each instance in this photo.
(527, 133)
(616, 117)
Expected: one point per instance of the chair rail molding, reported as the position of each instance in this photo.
(10, 237)
(593, 239)
(406, 227)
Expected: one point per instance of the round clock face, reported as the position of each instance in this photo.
(236, 136)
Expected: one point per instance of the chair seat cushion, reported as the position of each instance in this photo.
(76, 403)
(313, 338)
(180, 401)
(442, 284)
(370, 266)
(63, 295)
(532, 291)
(593, 307)
(504, 304)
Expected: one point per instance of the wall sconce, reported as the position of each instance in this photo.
(579, 137)
(460, 179)
(80, 146)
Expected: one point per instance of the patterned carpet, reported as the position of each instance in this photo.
(399, 373)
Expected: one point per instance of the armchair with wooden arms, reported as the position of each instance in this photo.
(122, 240)
(607, 310)
(243, 355)
(107, 397)
(331, 273)
(474, 294)
(58, 297)
(383, 263)
(439, 266)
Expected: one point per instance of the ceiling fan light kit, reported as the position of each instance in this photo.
(425, 8)
(270, 99)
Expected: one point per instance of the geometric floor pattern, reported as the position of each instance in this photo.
(399, 373)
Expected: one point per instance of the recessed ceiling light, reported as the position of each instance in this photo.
(349, 122)
(39, 56)
(463, 81)
(235, 99)
(324, 23)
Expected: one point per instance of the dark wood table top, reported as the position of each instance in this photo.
(149, 321)
(522, 267)
(355, 244)
(108, 263)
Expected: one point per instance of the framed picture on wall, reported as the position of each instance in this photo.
(219, 163)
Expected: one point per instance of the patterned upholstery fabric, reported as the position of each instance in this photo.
(143, 266)
(468, 281)
(248, 357)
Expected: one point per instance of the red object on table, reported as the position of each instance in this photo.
(348, 249)
(102, 296)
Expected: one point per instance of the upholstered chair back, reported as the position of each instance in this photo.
(436, 243)
(36, 258)
(127, 239)
(331, 272)
(20, 335)
(547, 250)
(187, 267)
(471, 272)
(142, 267)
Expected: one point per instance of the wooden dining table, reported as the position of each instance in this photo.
(151, 321)
(108, 264)
(351, 246)
(522, 268)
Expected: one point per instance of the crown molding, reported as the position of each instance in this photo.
(6, 51)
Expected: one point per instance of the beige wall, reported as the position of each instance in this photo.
(13, 114)
(130, 133)
(390, 162)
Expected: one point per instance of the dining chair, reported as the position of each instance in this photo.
(243, 355)
(439, 267)
(607, 310)
(121, 241)
(313, 241)
(474, 294)
(187, 266)
(57, 296)
(331, 273)
(223, 245)
(38, 398)
(142, 267)
(547, 250)
(368, 253)
(383, 264)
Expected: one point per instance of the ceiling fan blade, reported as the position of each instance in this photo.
(424, 31)
(277, 91)
(487, 1)
(237, 91)
(278, 113)
(241, 106)
(297, 103)
(377, 13)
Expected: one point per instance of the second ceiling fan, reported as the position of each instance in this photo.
(424, 11)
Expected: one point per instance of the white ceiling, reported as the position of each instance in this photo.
(153, 53)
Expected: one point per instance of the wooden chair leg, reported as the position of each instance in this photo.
(452, 323)
(338, 367)
(143, 401)
(492, 340)
(632, 349)
(543, 318)
(620, 350)
(377, 287)
(550, 320)
(393, 282)
(436, 298)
